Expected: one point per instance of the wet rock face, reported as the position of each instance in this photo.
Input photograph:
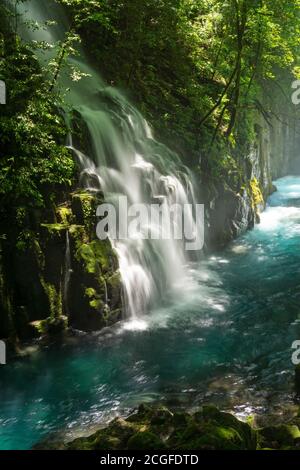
(43, 291)
(94, 299)
(156, 428)
(233, 205)
(231, 215)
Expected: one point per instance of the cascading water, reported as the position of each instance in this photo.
(126, 161)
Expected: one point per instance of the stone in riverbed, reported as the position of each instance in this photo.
(156, 428)
(50, 326)
(279, 437)
(207, 429)
(145, 440)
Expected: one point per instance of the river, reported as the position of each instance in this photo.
(224, 338)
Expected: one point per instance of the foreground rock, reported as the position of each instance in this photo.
(157, 428)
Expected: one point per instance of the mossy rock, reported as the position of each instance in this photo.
(95, 283)
(50, 326)
(155, 427)
(64, 215)
(248, 435)
(282, 436)
(97, 256)
(145, 440)
(82, 443)
(181, 419)
(155, 415)
(143, 414)
(256, 195)
(212, 429)
(78, 236)
(84, 205)
(54, 296)
(93, 299)
(114, 280)
(114, 316)
(210, 436)
(107, 443)
(161, 416)
(54, 231)
(115, 437)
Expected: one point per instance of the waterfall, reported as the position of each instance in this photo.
(126, 160)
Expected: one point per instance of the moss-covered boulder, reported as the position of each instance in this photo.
(212, 429)
(114, 437)
(59, 271)
(83, 208)
(50, 326)
(95, 284)
(93, 297)
(157, 428)
(64, 215)
(283, 436)
(145, 440)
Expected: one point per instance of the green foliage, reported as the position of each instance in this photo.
(198, 69)
(202, 71)
(86, 12)
(34, 162)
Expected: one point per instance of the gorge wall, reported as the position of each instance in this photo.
(273, 153)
